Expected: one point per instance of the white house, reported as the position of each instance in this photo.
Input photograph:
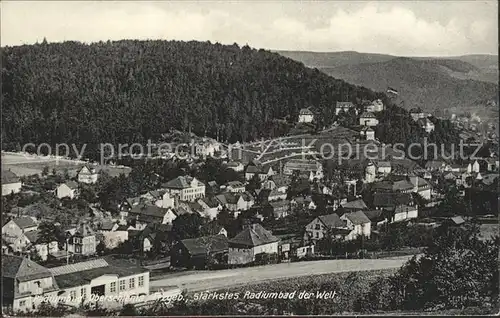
(186, 187)
(326, 225)
(367, 133)
(358, 223)
(10, 183)
(88, 175)
(67, 190)
(306, 116)
(368, 119)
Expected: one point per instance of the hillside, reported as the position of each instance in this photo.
(425, 84)
(130, 91)
(334, 59)
(429, 82)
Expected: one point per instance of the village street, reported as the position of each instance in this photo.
(213, 280)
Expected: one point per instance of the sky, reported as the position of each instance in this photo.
(403, 28)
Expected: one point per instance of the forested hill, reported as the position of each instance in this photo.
(130, 91)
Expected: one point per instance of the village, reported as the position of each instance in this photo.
(279, 203)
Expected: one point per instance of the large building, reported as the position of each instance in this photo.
(186, 187)
(27, 284)
(10, 182)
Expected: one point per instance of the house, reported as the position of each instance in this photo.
(186, 187)
(377, 217)
(280, 209)
(250, 243)
(280, 182)
(358, 223)
(435, 165)
(144, 214)
(14, 228)
(390, 200)
(81, 240)
(417, 113)
(236, 166)
(206, 147)
(383, 167)
(67, 190)
(324, 226)
(22, 280)
(263, 173)
(211, 207)
(455, 221)
(367, 133)
(368, 119)
(160, 198)
(405, 184)
(236, 202)
(113, 234)
(404, 213)
(355, 205)
(344, 107)
(306, 115)
(304, 166)
(152, 234)
(11, 183)
(42, 248)
(87, 175)
(235, 187)
(275, 195)
(492, 164)
(200, 252)
(377, 105)
(426, 124)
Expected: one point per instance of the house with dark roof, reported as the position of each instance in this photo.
(186, 187)
(152, 234)
(200, 252)
(81, 240)
(11, 183)
(211, 207)
(329, 225)
(22, 280)
(88, 174)
(390, 200)
(377, 217)
(250, 243)
(143, 214)
(368, 119)
(280, 209)
(255, 168)
(67, 190)
(236, 201)
(344, 107)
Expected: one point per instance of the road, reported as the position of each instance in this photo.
(212, 280)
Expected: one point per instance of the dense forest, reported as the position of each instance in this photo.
(130, 91)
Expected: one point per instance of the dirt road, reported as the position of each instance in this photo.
(212, 280)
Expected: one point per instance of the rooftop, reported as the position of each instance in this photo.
(253, 235)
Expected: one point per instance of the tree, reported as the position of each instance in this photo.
(45, 171)
(128, 310)
(187, 226)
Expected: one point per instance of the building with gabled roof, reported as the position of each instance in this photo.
(358, 223)
(199, 252)
(81, 240)
(324, 226)
(354, 205)
(252, 241)
(11, 183)
(67, 190)
(368, 119)
(88, 174)
(22, 279)
(186, 187)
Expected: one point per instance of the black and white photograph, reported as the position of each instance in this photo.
(249, 158)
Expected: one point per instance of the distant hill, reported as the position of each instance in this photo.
(427, 82)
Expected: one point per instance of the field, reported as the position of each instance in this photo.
(25, 165)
